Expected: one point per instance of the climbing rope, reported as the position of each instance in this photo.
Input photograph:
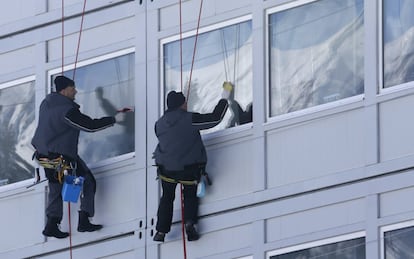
(194, 50)
(188, 97)
(73, 78)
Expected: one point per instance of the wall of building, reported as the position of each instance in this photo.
(281, 183)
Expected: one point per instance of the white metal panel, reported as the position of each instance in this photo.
(93, 38)
(392, 203)
(396, 128)
(18, 59)
(19, 9)
(317, 219)
(22, 218)
(315, 149)
(217, 242)
(229, 165)
(169, 15)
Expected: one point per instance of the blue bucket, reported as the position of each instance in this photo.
(72, 188)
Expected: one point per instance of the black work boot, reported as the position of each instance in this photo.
(84, 225)
(192, 234)
(159, 236)
(52, 229)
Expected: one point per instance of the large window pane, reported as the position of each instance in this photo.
(103, 88)
(349, 249)
(316, 54)
(17, 125)
(398, 38)
(223, 54)
(399, 243)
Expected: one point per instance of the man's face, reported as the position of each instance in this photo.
(69, 92)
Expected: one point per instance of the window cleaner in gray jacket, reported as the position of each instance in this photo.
(180, 156)
(57, 135)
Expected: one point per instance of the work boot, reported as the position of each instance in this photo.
(192, 234)
(84, 225)
(159, 237)
(52, 229)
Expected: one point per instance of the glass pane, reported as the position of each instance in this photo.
(17, 126)
(398, 38)
(103, 88)
(221, 55)
(316, 54)
(349, 249)
(399, 243)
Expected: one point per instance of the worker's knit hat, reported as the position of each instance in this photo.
(175, 100)
(61, 82)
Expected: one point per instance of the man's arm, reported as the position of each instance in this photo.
(209, 120)
(83, 122)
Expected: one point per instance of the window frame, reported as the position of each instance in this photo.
(16, 82)
(83, 63)
(302, 112)
(187, 34)
(381, 89)
(316, 243)
(388, 228)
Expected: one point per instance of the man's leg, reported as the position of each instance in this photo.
(191, 211)
(54, 209)
(165, 210)
(87, 206)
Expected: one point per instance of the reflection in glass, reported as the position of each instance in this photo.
(222, 55)
(399, 243)
(398, 41)
(17, 125)
(103, 88)
(348, 249)
(316, 54)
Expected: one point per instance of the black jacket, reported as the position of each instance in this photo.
(178, 133)
(60, 122)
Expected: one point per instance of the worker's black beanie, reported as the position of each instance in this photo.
(61, 82)
(175, 100)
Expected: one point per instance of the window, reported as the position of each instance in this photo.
(223, 54)
(316, 54)
(17, 126)
(103, 88)
(352, 248)
(398, 42)
(399, 243)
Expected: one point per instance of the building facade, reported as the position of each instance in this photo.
(322, 167)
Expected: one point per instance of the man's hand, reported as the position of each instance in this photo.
(120, 117)
(227, 88)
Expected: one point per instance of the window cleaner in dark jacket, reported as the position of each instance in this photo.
(180, 154)
(57, 134)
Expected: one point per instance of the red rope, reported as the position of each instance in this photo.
(63, 33)
(74, 70)
(79, 39)
(70, 232)
(194, 51)
(182, 222)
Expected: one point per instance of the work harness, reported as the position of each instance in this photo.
(60, 164)
(202, 173)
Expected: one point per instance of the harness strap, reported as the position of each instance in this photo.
(59, 164)
(171, 180)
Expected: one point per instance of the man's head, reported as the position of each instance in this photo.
(65, 86)
(175, 100)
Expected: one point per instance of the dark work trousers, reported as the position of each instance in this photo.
(54, 207)
(165, 208)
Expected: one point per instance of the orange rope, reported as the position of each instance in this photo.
(63, 33)
(181, 48)
(182, 222)
(79, 38)
(194, 50)
(74, 70)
